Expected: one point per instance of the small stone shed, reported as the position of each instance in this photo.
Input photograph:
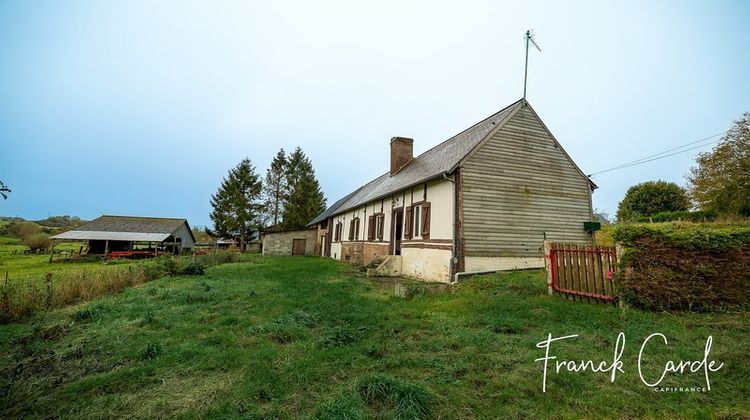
(291, 242)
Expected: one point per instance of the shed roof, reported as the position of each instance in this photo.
(439, 160)
(125, 228)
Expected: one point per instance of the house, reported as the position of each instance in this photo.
(108, 234)
(483, 200)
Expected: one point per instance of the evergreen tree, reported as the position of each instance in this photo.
(237, 204)
(304, 199)
(275, 188)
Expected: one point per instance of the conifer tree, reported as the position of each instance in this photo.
(304, 199)
(275, 188)
(237, 204)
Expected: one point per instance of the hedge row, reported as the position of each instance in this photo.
(686, 216)
(685, 266)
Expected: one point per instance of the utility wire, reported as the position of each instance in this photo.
(663, 154)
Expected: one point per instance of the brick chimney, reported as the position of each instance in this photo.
(402, 152)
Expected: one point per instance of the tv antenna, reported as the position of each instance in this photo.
(529, 38)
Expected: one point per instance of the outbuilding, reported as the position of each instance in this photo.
(108, 234)
(290, 242)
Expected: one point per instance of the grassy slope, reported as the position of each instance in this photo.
(295, 336)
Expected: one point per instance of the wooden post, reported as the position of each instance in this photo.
(548, 265)
(106, 247)
(174, 244)
(51, 250)
(619, 251)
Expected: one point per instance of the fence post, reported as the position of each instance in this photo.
(548, 265)
(619, 251)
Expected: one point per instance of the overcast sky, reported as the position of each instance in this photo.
(140, 108)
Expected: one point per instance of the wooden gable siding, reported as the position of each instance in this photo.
(518, 186)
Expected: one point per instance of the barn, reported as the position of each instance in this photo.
(108, 234)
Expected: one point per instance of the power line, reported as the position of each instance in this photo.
(664, 154)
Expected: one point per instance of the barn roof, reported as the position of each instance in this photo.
(125, 228)
(441, 159)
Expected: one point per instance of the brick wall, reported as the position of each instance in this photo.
(280, 243)
(363, 252)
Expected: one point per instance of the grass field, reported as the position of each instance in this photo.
(22, 266)
(34, 267)
(307, 337)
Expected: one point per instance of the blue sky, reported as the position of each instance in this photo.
(140, 108)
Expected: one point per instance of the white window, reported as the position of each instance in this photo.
(379, 228)
(417, 223)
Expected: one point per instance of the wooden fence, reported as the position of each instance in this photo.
(581, 272)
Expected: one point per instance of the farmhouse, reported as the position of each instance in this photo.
(483, 200)
(108, 234)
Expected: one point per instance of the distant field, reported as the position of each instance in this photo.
(303, 337)
(20, 266)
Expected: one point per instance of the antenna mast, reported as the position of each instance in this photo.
(529, 38)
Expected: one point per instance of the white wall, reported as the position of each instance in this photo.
(502, 263)
(427, 264)
(439, 194)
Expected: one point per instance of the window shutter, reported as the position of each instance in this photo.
(426, 220)
(371, 228)
(351, 230)
(356, 228)
(407, 227)
(380, 228)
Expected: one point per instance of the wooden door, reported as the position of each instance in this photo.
(396, 231)
(298, 246)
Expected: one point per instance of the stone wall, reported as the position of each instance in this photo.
(363, 252)
(280, 243)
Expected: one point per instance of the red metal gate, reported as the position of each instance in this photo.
(583, 272)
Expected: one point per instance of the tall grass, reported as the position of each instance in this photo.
(20, 300)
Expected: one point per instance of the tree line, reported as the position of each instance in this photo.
(287, 198)
(718, 186)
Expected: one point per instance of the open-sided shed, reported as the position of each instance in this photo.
(108, 234)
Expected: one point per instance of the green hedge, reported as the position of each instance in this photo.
(672, 216)
(685, 266)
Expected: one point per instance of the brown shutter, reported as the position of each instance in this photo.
(426, 220)
(371, 228)
(356, 228)
(407, 227)
(351, 230)
(382, 226)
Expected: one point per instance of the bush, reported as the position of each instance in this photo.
(216, 258)
(37, 241)
(169, 265)
(193, 269)
(23, 229)
(685, 266)
(650, 198)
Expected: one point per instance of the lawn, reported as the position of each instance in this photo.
(306, 337)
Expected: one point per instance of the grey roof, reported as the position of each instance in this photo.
(327, 212)
(125, 228)
(431, 164)
(93, 235)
